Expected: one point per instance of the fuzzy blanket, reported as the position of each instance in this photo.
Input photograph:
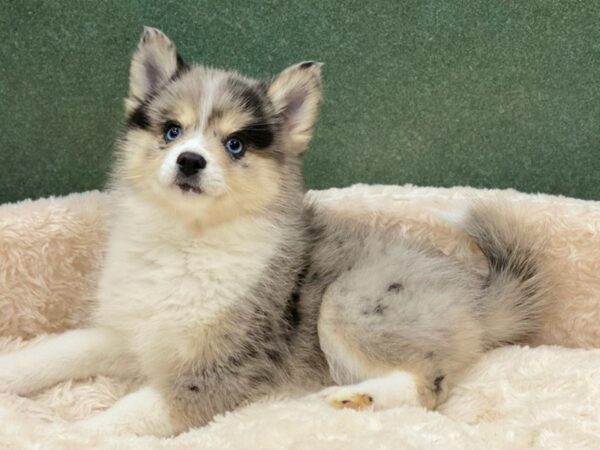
(543, 396)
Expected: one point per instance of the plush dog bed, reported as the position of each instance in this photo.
(544, 396)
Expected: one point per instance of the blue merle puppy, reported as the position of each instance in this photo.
(221, 284)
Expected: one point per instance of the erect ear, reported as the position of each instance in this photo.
(154, 62)
(296, 95)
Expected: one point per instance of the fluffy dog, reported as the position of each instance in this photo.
(221, 285)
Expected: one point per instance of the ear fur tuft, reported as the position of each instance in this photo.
(154, 63)
(296, 95)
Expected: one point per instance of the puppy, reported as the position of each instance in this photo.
(222, 285)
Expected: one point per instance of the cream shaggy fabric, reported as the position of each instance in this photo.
(516, 397)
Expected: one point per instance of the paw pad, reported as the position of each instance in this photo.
(350, 401)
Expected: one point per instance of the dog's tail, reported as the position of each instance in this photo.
(516, 292)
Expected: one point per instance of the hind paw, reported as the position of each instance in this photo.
(349, 398)
(389, 391)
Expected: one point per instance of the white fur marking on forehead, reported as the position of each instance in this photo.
(210, 91)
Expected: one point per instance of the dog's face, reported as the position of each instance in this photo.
(211, 144)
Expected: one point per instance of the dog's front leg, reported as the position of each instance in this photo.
(142, 412)
(74, 354)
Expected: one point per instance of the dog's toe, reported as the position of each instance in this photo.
(346, 398)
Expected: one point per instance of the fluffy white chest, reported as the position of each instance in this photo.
(172, 277)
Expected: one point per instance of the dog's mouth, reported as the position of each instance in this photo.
(186, 187)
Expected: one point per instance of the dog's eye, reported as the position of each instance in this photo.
(173, 132)
(235, 147)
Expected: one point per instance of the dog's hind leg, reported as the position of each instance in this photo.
(74, 354)
(397, 388)
(417, 318)
(397, 328)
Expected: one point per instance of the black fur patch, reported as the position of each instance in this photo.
(291, 314)
(502, 259)
(138, 118)
(253, 99)
(261, 378)
(274, 355)
(315, 276)
(437, 383)
(215, 115)
(395, 287)
(235, 361)
(182, 67)
(251, 353)
(379, 308)
(250, 97)
(523, 269)
(307, 64)
(258, 135)
(316, 231)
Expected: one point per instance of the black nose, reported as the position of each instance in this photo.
(190, 163)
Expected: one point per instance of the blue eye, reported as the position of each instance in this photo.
(235, 147)
(173, 132)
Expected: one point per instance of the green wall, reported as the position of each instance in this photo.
(469, 92)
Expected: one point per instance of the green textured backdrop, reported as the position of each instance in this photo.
(469, 92)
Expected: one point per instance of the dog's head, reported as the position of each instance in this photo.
(213, 144)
